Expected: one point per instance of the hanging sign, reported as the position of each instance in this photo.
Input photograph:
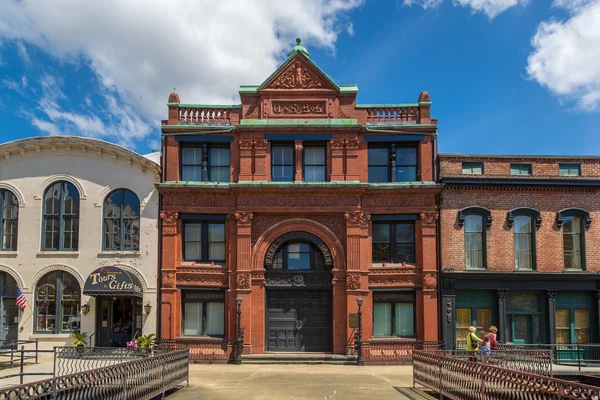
(112, 281)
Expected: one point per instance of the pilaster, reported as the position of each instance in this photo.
(245, 156)
(170, 228)
(501, 296)
(337, 158)
(298, 157)
(429, 291)
(352, 166)
(262, 159)
(552, 315)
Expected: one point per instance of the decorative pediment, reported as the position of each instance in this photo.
(297, 74)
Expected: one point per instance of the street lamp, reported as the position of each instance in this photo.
(148, 307)
(240, 332)
(359, 340)
(85, 309)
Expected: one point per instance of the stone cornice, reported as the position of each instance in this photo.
(75, 146)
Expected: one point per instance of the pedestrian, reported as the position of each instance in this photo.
(488, 343)
(472, 344)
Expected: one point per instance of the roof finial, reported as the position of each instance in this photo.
(298, 40)
(298, 48)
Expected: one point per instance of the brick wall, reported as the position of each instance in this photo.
(500, 243)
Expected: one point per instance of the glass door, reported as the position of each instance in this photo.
(104, 325)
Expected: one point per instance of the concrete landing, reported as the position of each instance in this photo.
(291, 382)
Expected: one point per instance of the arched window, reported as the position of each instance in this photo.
(61, 217)
(573, 221)
(121, 221)
(522, 220)
(57, 301)
(475, 220)
(298, 255)
(9, 216)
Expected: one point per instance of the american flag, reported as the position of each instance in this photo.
(21, 302)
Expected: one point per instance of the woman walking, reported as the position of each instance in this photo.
(488, 343)
(472, 343)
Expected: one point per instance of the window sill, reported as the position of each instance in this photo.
(392, 339)
(50, 336)
(203, 264)
(46, 253)
(475, 269)
(124, 253)
(387, 264)
(9, 253)
(200, 339)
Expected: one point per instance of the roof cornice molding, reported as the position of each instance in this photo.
(73, 146)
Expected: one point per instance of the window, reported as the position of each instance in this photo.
(472, 168)
(572, 241)
(523, 232)
(209, 163)
(9, 218)
(282, 162)
(392, 163)
(474, 241)
(203, 241)
(393, 314)
(569, 169)
(203, 313)
(314, 163)
(122, 221)
(393, 242)
(520, 169)
(61, 217)
(572, 326)
(298, 255)
(57, 301)
(482, 321)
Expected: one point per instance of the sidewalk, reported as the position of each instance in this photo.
(46, 364)
(286, 382)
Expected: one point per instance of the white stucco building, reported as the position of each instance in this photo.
(79, 238)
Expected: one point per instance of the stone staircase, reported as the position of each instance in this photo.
(298, 358)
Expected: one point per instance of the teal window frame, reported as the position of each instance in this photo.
(569, 169)
(9, 217)
(58, 300)
(121, 221)
(577, 301)
(61, 217)
(470, 166)
(520, 169)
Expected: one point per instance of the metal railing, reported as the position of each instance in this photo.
(136, 379)
(11, 356)
(381, 351)
(201, 350)
(70, 360)
(458, 379)
(580, 355)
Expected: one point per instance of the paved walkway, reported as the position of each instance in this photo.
(285, 382)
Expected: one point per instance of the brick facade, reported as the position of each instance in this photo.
(299, 104)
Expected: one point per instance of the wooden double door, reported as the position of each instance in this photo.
(299, 320)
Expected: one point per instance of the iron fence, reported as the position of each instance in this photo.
(141, 378)
(459, 379)
(10, 351)
(581, 355)
(70, 360)
(201, 350)
(384, 352)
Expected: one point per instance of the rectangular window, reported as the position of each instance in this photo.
(569, 169)
(203, 314)
(393, 242)
(392, 163)
(572, 326)
(464, 319)
(474, 241)
(523, 233)
(472, 168)
(314, 163)
(563, 326)
(203, 241)
(520, 169)
(208, 163)
(282, 163)
(572, 242)
(394, 314)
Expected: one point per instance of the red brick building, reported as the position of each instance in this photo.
(519, 241)
(299, 200)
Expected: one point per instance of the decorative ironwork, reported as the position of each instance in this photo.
(137, 379)
(454, 378)
(240, 333)
(71, 360)
(359, 340)
(395, 352)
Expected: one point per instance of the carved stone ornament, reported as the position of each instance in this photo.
(169, 217)
(337, 144)
(243, 281)
(501, 293)
(296, 77)
(297, 280)
(352, 143)
(168, 279)
(353, 281)
(357, 218)
(429, 218)
(314, 107)
(174, 98)
(252, 112)
(242, 217)
(246, 143)
(429, 281)
(261, 144)
(448, 311)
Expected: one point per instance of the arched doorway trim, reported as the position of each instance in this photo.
(320, 231)
(298, 235)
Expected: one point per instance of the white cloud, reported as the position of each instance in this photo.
(140, 50)
(566, 54)
(489, 7)
(11, 84)
(22, 51)
(24, 81)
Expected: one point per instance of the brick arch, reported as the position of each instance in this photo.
(304, 225)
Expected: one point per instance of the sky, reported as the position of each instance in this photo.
(505, 76)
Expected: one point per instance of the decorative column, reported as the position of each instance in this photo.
(298, 149)
(501, 295)
(357, 277)
(245, 156)
(170, 323)
(243, 221)
(262, 159)
(448, 313)
(352, 166)
(429, 291)
(337, 158)
(552, 314)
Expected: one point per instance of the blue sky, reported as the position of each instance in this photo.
(505, 76)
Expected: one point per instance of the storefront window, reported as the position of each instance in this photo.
(58, 297)
(203, 314)
(393, 315)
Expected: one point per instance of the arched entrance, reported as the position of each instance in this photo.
(9, 311)
(299, 294)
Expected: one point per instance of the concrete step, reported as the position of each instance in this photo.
(298, 358)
